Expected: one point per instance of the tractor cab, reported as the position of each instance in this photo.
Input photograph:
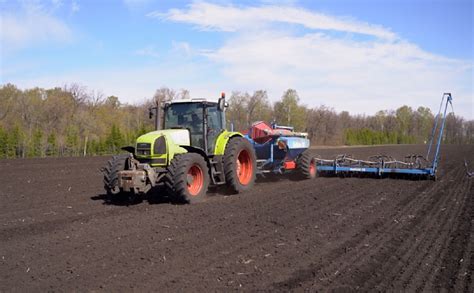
(205, 120)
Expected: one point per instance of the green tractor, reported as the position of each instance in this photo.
(193, 151)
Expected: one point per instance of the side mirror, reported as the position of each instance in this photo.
(221, 104)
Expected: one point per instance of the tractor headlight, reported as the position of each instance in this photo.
(159, 147)
(143, 149)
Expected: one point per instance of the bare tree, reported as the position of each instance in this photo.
(78, 93)
(164, 94)
(183, 94)
(8, 94)
(237, 111)
(258, 107)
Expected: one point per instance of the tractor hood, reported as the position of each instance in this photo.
(177, 136)
(159, 147)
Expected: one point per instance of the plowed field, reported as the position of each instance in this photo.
(58, 234)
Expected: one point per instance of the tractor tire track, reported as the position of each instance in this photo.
(415, 237)
(340, 261)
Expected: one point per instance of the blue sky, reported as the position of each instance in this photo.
(360, 56)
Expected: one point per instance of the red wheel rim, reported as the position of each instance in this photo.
(312, 168)
(195, 180)
(244, 167)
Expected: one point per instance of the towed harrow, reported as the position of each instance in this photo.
(414, 166)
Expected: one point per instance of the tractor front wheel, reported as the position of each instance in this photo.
(111, 170)
(239, 164)
(188, 178)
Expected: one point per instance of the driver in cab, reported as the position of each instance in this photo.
(196, 123)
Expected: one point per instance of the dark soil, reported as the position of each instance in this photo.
(57, 232)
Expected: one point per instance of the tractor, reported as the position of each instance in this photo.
(193, 151)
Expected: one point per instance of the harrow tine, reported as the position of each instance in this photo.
(469, 174)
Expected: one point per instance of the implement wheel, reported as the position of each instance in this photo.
(239, 164)
(188, 178)
(306, 166)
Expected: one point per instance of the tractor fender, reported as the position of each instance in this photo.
(222, 141)
(129, 149)
(191, 149)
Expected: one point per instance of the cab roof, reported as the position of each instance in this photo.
(207, 101)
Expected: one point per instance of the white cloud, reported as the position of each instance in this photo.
(182, 48)
(314, 61)
(344, 71)
(230, 18)
(30, 25)
(148, 51)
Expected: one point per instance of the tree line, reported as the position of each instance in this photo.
(72, 121)
(325, 126)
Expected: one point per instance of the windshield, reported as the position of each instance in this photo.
(185, 115)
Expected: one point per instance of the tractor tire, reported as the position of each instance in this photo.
(114, 194)
(239, 165)
(114, 165)
(306, 166)
(187, 179)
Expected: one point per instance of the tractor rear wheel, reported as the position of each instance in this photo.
(306, 166)
(188, 178)
(239, 164)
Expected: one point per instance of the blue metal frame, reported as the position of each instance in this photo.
(380, 167)
(379, 171)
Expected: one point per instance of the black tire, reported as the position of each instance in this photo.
(239, 149)
(114, 165)
(306, 166)
(179, 184)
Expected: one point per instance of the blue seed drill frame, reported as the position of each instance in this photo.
(415, 166)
